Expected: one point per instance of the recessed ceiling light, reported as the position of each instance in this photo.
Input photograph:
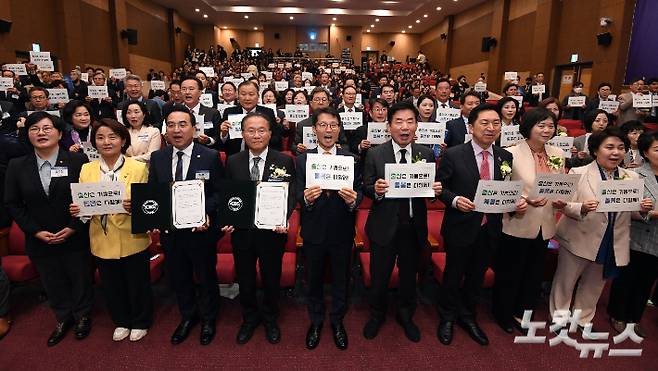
(197, 10)
(291, 17)
(333, 25)
(205, 16)
(438, 8)
(368, 30)
(333, 19)
(255, 28)
(403, 31)
(372, 25)
(246, 16)
(424, 15)
(376, 19)
(409, 26)
(225, 27)
(417, 20)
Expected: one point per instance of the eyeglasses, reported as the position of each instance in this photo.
(45, 129)
(320, 100)
(180, 125)
(253, 132)
(331, 125)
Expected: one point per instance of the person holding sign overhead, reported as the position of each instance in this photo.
(593, 245)
(327, 228)
(470, 237)
(190, 252)
(397, 228)
(521, 255)
(248, 103)
(37, 196)
(122, 257)
(191, 88)
(259, 162)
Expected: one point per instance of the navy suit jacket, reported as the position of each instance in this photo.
(455, 132)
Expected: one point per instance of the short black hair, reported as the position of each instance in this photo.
(442, 80)
(142, 106)
(631, 125)
(652, 80)
(603, 84)
(470, 93)
(247, 83)
(475, 112)
(71, 106)
(505, 100)
(174, 82)
(533, 117)
(381, 101)
(386, 86)
(231, 84)
(645, 142)
(255, 114)
(327, 110)
(37, 116)
(425, 97)
(595, 140)
(262, 95)
(179, 107)
(198, 82)
(318, 90)
(400, 106)
(590, 116)
(116, 127)
(38, 88)
(509, 85)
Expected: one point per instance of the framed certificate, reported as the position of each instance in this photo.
(188, 204)
(271, 205)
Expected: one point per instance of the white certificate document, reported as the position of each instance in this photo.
(188, 204)
(271, 205)
(99, 198)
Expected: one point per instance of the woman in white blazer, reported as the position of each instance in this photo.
(593, 245)
(522, 251)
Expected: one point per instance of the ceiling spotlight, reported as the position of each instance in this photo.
(291, 17)
(246, 16)
(424, 15)
(438, 8)
(197, 10)
(403, 31)
(205, 16)
(333, 19)
(225, 27)
(368, 30)
(417, 20)
(333, 25)
(409, 26)
(372, 26)
(255, 28)
(376, 19)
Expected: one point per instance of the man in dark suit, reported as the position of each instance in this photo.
(603, 91)
(259, 162)
(348, 105)
(327, 228)
(248, 96)
(17, 94)
(134, 93)
(470, 237)
(533, 99)
(443, 94)
(457, 129)
(191, 88)
(103, 108)
(201, 76)
(396, 228)
(319, 98)
(190, 252)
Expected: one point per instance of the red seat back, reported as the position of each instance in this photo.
(571, 124)
(224, 244)
(293, 228)
(575, 132)
(16, 240)
(361, 218)
(434, 221)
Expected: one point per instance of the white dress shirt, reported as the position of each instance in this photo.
(187, 157)
(477, 150)
(261, 163)
(398, 157)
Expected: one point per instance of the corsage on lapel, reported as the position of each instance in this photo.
(418, 158)
(561, 133)
(278, 174)
(505, 170)
(555, 163)
(622, 177)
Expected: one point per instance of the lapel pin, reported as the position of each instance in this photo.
(198, 156)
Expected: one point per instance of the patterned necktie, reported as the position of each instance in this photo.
(485, 175)
(255, 173)
(179, 166)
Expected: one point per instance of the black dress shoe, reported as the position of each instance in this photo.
(183, 330)
(83, 328)
(313, 336)
(340, 336)
(371, 329)
(444, 332)
(207, 332)
(474, 331)
(411, 331)
(272, 332)
(505, 325)
(60, 331)
(246, 332)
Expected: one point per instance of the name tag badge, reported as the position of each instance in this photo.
(59, 171)
(143, 138)
(203, 175)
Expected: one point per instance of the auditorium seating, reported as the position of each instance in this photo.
(17, 265)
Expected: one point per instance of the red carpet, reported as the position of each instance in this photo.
(25, 346)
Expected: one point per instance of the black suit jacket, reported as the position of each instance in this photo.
(455, 132)
(211, 115)
(232, 146)
(329, 218)
(151, 106)
(105, 109)
(383, 218)
(206, 159)
(35, 211)
(459, 175)
(299, 135)
(238, 168)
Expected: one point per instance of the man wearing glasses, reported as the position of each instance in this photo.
(319, 99)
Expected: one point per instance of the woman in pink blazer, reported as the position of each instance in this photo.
(593, 245)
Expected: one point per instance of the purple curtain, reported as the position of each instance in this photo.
(643, 50)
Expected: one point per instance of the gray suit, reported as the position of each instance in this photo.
(645, 234)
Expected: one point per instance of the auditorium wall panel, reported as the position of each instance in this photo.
(467, 40)
(287, 40)
(405, 44)
(152, 34)
(338, 41)
(472, 71)
(30, 20)
(97, 38)
(245, 38)
(140, 65)
(517, 45)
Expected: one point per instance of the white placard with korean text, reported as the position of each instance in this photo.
(206, 99)
(97, 92)
(118, 73)
(58, 95)
(297, 112)
(511, 75)
(620, 195)
(84, 76)
(52, 113)
(329, 171)
(18, 68)
(209, 71)
(410, 180)
(480, 87)
(38, 57)
(221, 107)
(351, 120)
(431, 133)
(309, 139)
(446, 114)
(99, 198)
(497, 196)
(157, 85)
(45, 66)
(555, 186)
(307, 76)
(538, 89)
(378, 133)
(235, 130)
(609, 106)
(510, 135)
(578, 101)
(280, 85)
(641, 101)
(564, 143)
(6, 83)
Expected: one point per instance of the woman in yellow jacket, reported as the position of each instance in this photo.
(122, 257)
